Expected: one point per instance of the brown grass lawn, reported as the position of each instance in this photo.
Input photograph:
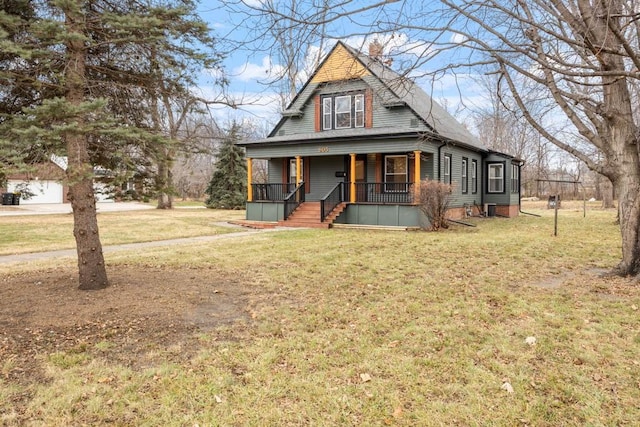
(36, 233)
(334, 327)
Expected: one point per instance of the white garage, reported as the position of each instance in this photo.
(44, 191)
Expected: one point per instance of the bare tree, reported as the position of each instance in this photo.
(193, 166)
(581, 55)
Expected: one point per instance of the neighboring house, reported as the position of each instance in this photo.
(42, 184)
(45, 183)
(355, 142)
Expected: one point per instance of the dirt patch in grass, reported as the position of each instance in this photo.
(144, 312)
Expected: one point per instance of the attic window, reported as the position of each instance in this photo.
(413, 123)
(343, 111)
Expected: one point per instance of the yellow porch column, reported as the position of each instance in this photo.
(352, 174)
(416, 175)
(298, 164)
(249, 179)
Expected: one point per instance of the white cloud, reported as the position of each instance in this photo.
(262, 106)
(458, 38)
(253, 3)
(264, 71)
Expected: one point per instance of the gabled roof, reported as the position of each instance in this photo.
(399, 92)
(408, 93)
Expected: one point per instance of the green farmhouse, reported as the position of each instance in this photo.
(354, 144)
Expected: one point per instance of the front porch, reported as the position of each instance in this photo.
(340, 189)
(374, 203)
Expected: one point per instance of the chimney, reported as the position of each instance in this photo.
(375, 50)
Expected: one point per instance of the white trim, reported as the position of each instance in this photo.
(447, 168)
(474, 176)
(347, 111)
(358, 107)
(326, 113)
(464, 185)
(494, 177)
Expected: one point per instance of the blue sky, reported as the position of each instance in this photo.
(247, 68)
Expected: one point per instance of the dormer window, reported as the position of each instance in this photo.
(343, 111)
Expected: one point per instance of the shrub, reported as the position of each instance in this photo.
(434, 199)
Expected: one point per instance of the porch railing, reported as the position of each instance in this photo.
(385, 192)
(271, 192)
(329, 202)
(293, 200)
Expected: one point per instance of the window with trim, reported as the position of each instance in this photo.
(496, 178)
(343, 111)
(447, 168)
(474, 176)
(396, 173)
(515, 178)
(464, 184)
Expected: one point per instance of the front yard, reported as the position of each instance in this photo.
(337, 327)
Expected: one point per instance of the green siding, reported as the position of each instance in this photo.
(262, 211)
(275, 171)
(383, 117)
(503, 198)
(388, 215)
(458, 199)
(323, 175)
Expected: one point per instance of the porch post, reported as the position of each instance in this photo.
(352, 174)
(416, 175)
(298, 162)
(249, 179)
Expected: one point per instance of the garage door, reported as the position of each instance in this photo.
(43, 191)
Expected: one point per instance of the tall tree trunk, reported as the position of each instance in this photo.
(91, 267)
(628, 190)
(607, 194)
(164, 184)
(625, 159)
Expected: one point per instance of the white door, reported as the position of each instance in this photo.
(44, 191)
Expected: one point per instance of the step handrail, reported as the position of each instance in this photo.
(293, 200)
(329, 202)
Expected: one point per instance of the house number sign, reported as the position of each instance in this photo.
(323, 149)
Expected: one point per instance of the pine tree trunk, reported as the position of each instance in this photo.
(91, 267)
(164, 182)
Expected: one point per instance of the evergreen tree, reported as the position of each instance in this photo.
(228, 186)
(80, 73)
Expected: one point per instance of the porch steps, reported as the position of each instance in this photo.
(308, 215)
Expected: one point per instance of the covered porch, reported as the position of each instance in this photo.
(357, 188)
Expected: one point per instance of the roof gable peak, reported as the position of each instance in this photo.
(340, 64)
